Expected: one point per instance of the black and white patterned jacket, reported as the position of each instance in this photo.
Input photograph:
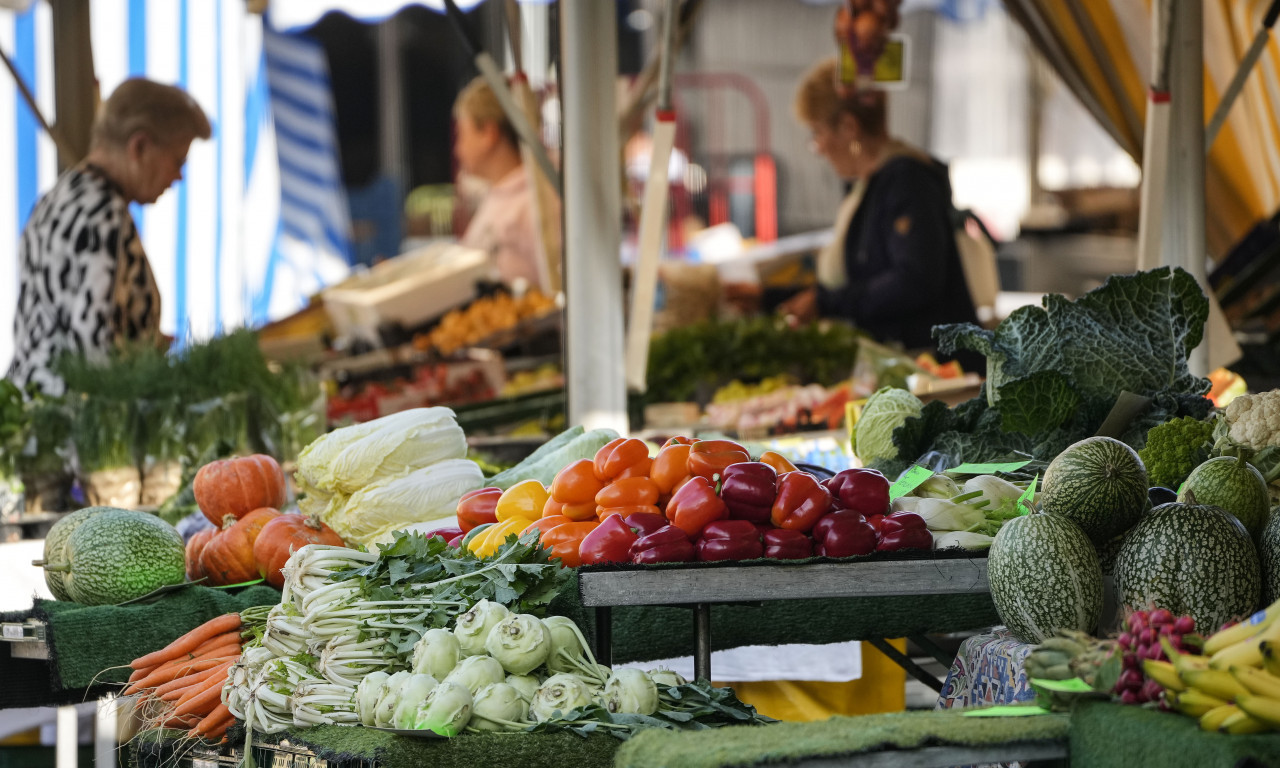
(84, 280)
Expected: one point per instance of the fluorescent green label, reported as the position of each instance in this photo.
(1010, 710)
(988, 469)
(911, 480)
(1028, 496)
(1074, 685)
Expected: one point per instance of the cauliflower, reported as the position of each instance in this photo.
(1255, 420)
(1174, 448)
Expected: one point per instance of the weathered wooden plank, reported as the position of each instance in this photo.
(683, 586)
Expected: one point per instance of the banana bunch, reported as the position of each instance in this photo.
(1234, 686)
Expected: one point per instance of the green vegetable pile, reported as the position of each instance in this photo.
(1175, 448)
(1054, 372)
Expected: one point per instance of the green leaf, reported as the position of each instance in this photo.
(1043, 400)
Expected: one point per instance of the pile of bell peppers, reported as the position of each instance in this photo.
(696, 500)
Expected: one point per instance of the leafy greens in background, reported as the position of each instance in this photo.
(1054, 372)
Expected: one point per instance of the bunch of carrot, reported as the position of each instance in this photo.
(182, 683)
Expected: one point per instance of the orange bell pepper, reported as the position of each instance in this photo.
(524, 499)
(641, 468)
(628, 492)
(670, 468)
(576, 483)
(603, 512)
(544, 524)
(781, 464)
(565, 539)
(708, 458)
(679, 440)
(617, 456)
(576, 511)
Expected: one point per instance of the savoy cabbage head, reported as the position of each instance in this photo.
(1055, 371)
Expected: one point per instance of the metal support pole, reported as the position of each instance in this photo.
(592, 216)
(391, 121)
(67, 742)
(104, 731)
(1247, 63)
(604, 636)
(1184, 227)
(904, 661)
(702, 641)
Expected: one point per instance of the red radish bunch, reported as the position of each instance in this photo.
(1142, 641)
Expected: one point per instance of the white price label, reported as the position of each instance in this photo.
(13, 632)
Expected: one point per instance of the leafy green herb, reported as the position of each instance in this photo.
(689, 707)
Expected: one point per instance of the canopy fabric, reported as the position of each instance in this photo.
(297, 15)
(1102, 51)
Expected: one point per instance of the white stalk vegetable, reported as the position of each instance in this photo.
(570, 653)
(520, 643)
(475, 672)
(962, 539)
(527, 685)
(559, 695)
(472, 628)
(997, 493)
(367, 695)
(938, 486)
(390, 697)
(436, 653)
(447, 709)
(413, 693)
(945, 515)
(666, 678)
(631, 691)
(499, 707)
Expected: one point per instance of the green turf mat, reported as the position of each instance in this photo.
(646, 633)
(1104, 734)
(788, 742)
(85, 640)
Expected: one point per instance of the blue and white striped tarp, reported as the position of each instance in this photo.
(259, 223)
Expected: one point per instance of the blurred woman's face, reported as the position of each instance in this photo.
(471, 143)
(834, 142)
(156, 166)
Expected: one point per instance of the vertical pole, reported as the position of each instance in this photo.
(592, 216)
(390, 102)
(1184, 226)
(702, 641)
(104, 732)
(67, 740)
(75, 88)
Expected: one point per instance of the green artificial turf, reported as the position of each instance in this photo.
(785, 743)
(1104, 734)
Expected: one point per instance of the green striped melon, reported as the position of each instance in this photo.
(1269, 557)
(1190, 559)
(1235, 487)
(121, 554)
(1044, 576)
(55, 547)
(1099, 484)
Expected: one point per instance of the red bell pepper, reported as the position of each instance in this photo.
(708, 458)
(846, 536)
(730, 540)
(448, 534)
(646, 523)
(749, 490)
(801, 502)
(820, 528)
(875, 521)
(456, 541)
(610, 542)
(477, 508)
(904, 530)
(861, 490)
(665, 545)
(786, 544)
(617, 456)
(695, 505)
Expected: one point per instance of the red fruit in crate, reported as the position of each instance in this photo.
(1160, 617)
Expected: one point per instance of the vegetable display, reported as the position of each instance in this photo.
(1099, 484)
(235, 487)
(114, 555)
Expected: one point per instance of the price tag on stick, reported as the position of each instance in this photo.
(1028, 497)
(911, 479)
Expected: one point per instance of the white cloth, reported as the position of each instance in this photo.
(834, 663)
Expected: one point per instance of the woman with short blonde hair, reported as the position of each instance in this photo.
(84, 280)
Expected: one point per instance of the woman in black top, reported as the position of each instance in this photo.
(893, 268)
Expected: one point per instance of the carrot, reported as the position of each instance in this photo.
(138, 674)
(203, 700)
(175, 721)
(190, 641)
(226, 638)
(220, 716)
(188, 680)
(226, 649)
(162, 676)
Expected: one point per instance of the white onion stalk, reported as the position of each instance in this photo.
(322, 703)
(413, 692)
(499, 707)
(436, 653)
(367, 695)
(666, 678)
(560, 695)
(390, 697)
(475, 672)
(570, 653)
(526, 685)
(472, 628)
(446, 710)
(630, 691)
(345, 659)
(520, 643)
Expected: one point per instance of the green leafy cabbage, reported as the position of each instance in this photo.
(884, 412)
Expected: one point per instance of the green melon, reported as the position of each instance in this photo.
(1190, 559)
(54, 548)
(1269, 557)
(1235, 487)
(1099, 484)
(120, 554)
(1044, 576)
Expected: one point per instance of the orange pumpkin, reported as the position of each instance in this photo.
(195, 545)
(282, 536)
(228, 557)
(238, 486)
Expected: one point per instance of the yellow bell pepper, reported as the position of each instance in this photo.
(524, 499)
(490, 540)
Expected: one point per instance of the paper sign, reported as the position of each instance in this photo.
(988, 469)
(13, 632)
(912, 479)
(1028, 496)
(1074, 685)
(1010, 710)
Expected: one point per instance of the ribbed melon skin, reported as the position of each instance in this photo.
(1099, 484)
(1233, 486)
(1045, 576)
(55, 547)
(1190, 559)
(122, 554)
(1269, 557)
